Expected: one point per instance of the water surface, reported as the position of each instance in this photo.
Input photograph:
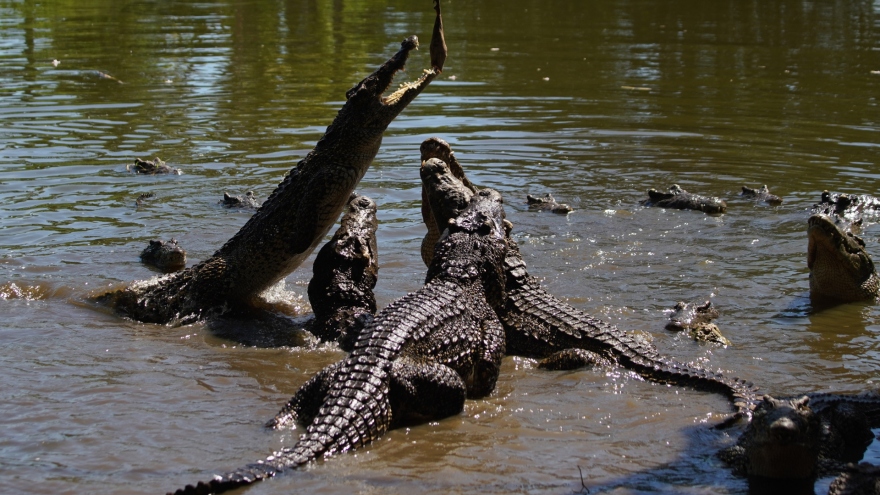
(593, 101)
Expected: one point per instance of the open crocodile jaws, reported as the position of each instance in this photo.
(295, 217)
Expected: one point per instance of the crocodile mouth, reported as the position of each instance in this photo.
(823, 233)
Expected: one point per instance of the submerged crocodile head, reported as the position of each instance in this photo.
(782, 441)
(167, 256)
(840, 268)
(367, 112)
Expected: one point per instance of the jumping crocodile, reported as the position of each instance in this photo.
(680, 199)
(246, 201)
(417, 360)
(345, 273)
(539, 325)
(791, 442)
(697, 320)
(151, 167)
(548, 203)
(761, 195)
(841, 270)
(166, 256)
(295, 217)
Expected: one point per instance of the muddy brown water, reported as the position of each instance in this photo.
(594, 102)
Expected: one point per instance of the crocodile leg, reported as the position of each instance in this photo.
(423, 392)
(304, 405)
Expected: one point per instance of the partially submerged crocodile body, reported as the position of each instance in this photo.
(345, 273)
(295, 217)
(791, 442)
(248, 200)
(762, 195)
(167, 256)
(696, 319)
(548, 203)
(841, 270)
(863, 479)
(680, 199)
(539, 325)
(151, 167)
(854, 208)
(417, 360)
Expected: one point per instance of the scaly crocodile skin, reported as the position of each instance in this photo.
(293, 220)
(537, 324)
(417, 360)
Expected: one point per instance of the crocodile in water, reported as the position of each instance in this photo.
(547, 203)
(295, 217)
(246, 201)
(417, 360)
(680, 199)
(762, 195)
(345, 273)
(791, 442)
(167, 256)
(539, 325)
(696, 319)
(841, 270)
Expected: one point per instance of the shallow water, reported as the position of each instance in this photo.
(595, 102)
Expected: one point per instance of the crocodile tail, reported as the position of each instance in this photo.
(539, 324)
(352, 415)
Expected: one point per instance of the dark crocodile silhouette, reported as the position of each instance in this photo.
(547, 203)
(151, 167)
(248, 200)
(417, 360)
(539, 325)
(680, 199)
(863, 479)
(292, 221)
(762, 195)
(167, 256)
(344, 275)
(791, 442)
(696, 319)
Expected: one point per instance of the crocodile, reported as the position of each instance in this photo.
(841, 270)
(292, 221)
(680, 199)
(246, 201)
(417, 360)
(143, 198)
(166, 256)
(548, 203)
(863, 479)
(790, 442)
(539, 325)
(151, 167)
(344, 275)
(697, 320)
(762, 195)
(854, 208)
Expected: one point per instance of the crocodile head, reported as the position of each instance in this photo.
(840, 268)
(473, 244)
(167, 256)
(367, 109)
(782, 440)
